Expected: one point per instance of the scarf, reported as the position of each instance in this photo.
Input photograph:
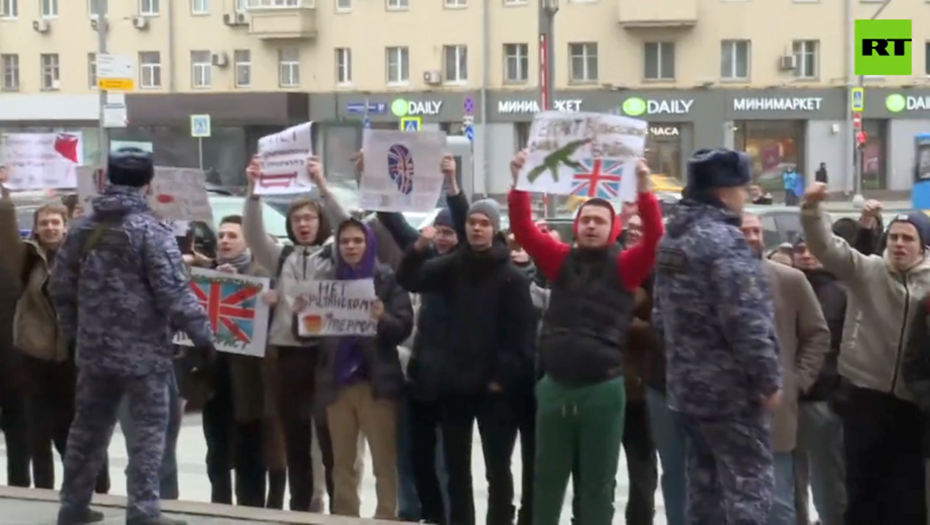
(242, 263)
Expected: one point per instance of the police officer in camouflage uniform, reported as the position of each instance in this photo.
(121, 290)
(714, 310)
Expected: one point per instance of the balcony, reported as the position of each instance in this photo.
(651, 14)
(283, 22)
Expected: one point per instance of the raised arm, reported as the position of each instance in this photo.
(635, 263)
(836, 255)
(265, 252)
(455, 199)
(419, 272)
(547, 252)
(12, 248)
(401, 231)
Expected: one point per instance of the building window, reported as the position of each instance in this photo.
(516, 63)
(734, 59)
(521, 135)
(9, 8)
(874, 154)
(49, 8)
(927, 58)
(289, 67)
(806, 52)
(97, 8)
(512, 3)
(243, 62)
(10, 72)
(200, 7)
(92, 70)
(148, 7)
(398, 65)
(583, 62)
(150, 69)
(201, 69)
(274, 3)
(343, 66)
(397, 5)
(774, 145)
(456, 63)
(659, 60)
(455, 4)
(242, 6)
(663, 150)
(343, 6)
(50, 71)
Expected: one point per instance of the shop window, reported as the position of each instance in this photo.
(774, 145)
(521, 134)
(390, 126)
(452, 128)
(663, 151)
(873, 155)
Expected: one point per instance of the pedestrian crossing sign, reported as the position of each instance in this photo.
(200, 126)
(857, 99)
(411, 124)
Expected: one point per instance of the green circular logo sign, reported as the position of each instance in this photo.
(400, 107)
(634, 107)
(895, 103)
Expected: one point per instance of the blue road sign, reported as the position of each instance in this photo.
(468, 105)
(366, 123)
(200, 126)
(411, 124)
(857, 95)
(358, 108)
(470, 133)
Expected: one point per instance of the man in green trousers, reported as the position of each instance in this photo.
(581, 397)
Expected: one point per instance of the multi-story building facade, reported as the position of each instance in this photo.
(768, 76)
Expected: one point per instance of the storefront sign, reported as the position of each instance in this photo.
(532, 106)
(778, 104)
(635, 107)
(897, 103)
(664, 131)
(403, 108)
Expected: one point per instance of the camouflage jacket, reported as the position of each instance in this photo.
(121, 288)
(712, 306)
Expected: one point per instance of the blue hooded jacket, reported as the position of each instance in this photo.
(121, 288)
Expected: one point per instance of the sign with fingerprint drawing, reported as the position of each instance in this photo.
(39, 161)
(238, 316)
(402, 170)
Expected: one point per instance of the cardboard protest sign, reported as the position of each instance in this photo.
(337, 308)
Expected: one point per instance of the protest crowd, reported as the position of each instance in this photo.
(679, 342)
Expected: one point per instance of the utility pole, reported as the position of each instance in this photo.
(547, 11)
(858, 198)
(103, 29)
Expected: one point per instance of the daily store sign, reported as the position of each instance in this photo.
(411, 108)
(897, 103)
(636, 106)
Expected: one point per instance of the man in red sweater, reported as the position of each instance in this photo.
(581, 398)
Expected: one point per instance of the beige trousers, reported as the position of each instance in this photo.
(356, 412)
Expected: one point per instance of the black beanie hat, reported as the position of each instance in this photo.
(919, 221)
(709, 169)
(132, 167)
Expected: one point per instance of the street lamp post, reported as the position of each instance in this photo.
(103, 28)
(859, 199)
(547, 11)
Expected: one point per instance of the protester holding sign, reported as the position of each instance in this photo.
(487, 358)
(305, 260)
(582, 346)
(359, 378)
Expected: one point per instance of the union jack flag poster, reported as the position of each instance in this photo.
(598, 178)
(237, 314)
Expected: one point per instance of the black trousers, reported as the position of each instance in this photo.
(526, 424)
(16, 435)
(885, 480)
(249, 463)
(49, 411)
(218, 421)
(498, 430)
(424, 425)
(641, 463)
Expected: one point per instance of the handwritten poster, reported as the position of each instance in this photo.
(337, 308)
(178, 194)
(402, 170)
(238, 316)
(584, 155)
(284, 161)
(38, 161)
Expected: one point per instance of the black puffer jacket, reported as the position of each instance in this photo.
(832, 297)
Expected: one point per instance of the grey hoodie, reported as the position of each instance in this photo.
(305, 263)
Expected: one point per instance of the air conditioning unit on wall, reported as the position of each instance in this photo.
(234, 19)
(788, 62)
(41, 26)
(220, 59)
(432, 77)
(140, 22)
